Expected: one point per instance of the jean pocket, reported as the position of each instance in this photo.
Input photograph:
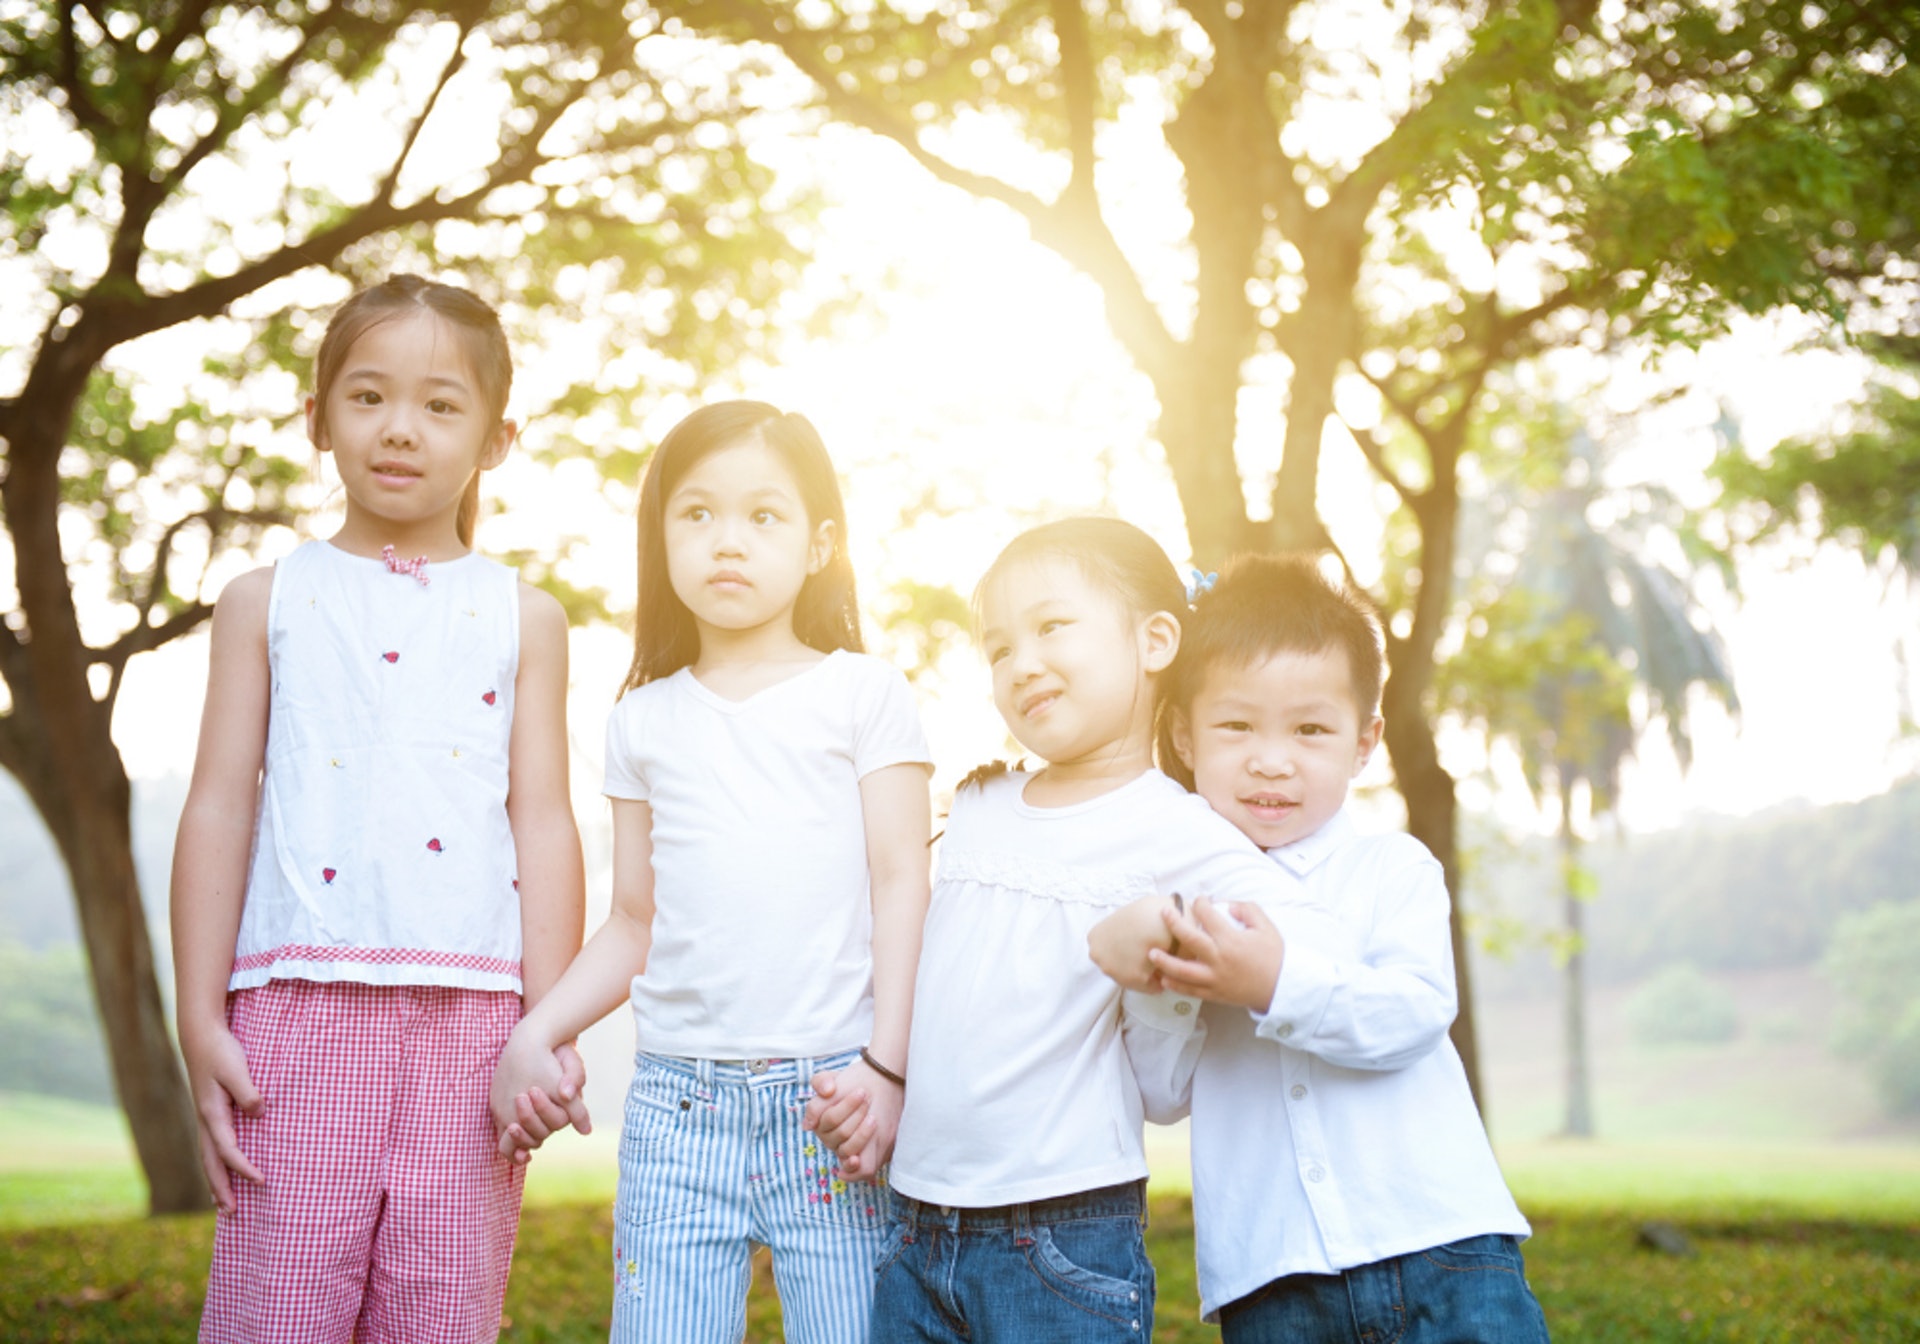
(661, 1166)
(1494, 1251)
(894, 1240)
(1098, 1265)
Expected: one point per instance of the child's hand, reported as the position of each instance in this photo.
(856, 1113)
(1120, 943)
(217, 1074)
(1231, 956)
(535, 1092)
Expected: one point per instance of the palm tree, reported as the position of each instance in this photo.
(1586, 643)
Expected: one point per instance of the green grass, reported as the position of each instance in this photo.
(65, 1162)
(1794, 1242)
(1770, 1278)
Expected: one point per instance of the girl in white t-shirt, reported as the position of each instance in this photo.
(770, 818)
(1019, 1173)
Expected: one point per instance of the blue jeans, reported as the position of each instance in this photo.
(713, 1160)
(1472, 1291)
(1071, 1270)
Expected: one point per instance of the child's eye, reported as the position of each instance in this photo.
(440, 407)
(1234, 726)
(364, 397)
(996, 653)
(1048, 627)
(1314, 729)
(763, 517)
(696, 513)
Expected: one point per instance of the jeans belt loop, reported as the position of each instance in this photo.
(1023, 1225)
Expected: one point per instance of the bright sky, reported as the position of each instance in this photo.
(983, 383)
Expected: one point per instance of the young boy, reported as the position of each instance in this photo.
(1343, 1186)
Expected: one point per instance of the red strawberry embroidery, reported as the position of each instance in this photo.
(488, 697)
(434, 844)
(327, 875)
(516, 884)
(391, 655)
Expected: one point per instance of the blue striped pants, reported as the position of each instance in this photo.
(713, 1160)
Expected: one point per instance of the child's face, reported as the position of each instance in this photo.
(1069, 661)
(1274, 746)
(406, 422)
(739, 543)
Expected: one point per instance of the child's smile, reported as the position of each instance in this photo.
(1274, 746)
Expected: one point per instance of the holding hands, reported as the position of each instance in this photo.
(536, 1092)
(1225, 954)
(856, 1112)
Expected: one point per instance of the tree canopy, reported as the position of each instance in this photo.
(1407, 196)
(233, 166)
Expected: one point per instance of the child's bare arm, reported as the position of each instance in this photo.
(859, 1111)
(1120, 943)
(597, 981)
(210, 873)
(546, 844)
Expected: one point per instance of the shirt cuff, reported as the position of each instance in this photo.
(1174, 1014)
(1300, 996)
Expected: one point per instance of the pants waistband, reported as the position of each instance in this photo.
(749, 1072)
(1126, 1200)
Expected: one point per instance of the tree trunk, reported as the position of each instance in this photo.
(59, 745)
(1574, 1017)
(1432, 816)
(96, 839)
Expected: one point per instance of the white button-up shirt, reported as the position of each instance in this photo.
(1337, 1129)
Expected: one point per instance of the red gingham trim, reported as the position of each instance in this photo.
(378, 956)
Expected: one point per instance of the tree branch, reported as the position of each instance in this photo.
(85, 111)
(231, 116)
(455, 63)
(1375, 452)
(186, 21)
(1081, 90)
(1079, 236)
(142, 638)
(1259, 30)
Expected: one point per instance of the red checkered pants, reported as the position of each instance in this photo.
(386, 1215)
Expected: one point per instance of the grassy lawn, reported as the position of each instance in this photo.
(1793, 1243)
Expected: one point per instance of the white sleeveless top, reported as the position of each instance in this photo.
(382, 853)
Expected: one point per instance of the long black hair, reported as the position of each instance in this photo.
(826, 616)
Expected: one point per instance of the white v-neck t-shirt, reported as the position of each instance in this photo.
(762, 927)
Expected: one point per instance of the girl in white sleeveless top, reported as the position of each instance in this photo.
(770, 821)
(376, 861)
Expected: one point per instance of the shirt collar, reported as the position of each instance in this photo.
(1304, 855)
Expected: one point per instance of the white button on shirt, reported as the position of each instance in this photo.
(1357, 1139)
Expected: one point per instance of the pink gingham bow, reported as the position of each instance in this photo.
(395, 565)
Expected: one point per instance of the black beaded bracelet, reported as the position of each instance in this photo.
(880, 1068)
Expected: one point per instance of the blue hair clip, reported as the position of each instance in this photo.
(1198, 583)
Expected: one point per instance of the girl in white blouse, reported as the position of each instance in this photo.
(1019, 1172)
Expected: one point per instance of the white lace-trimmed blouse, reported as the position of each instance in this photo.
(1021, 1080)
(382, 852)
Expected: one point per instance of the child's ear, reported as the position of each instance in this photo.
(1369, 739)
(497, 444)
(1180, 733)
(820, 552)
(1159, 640)
(316, 432)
